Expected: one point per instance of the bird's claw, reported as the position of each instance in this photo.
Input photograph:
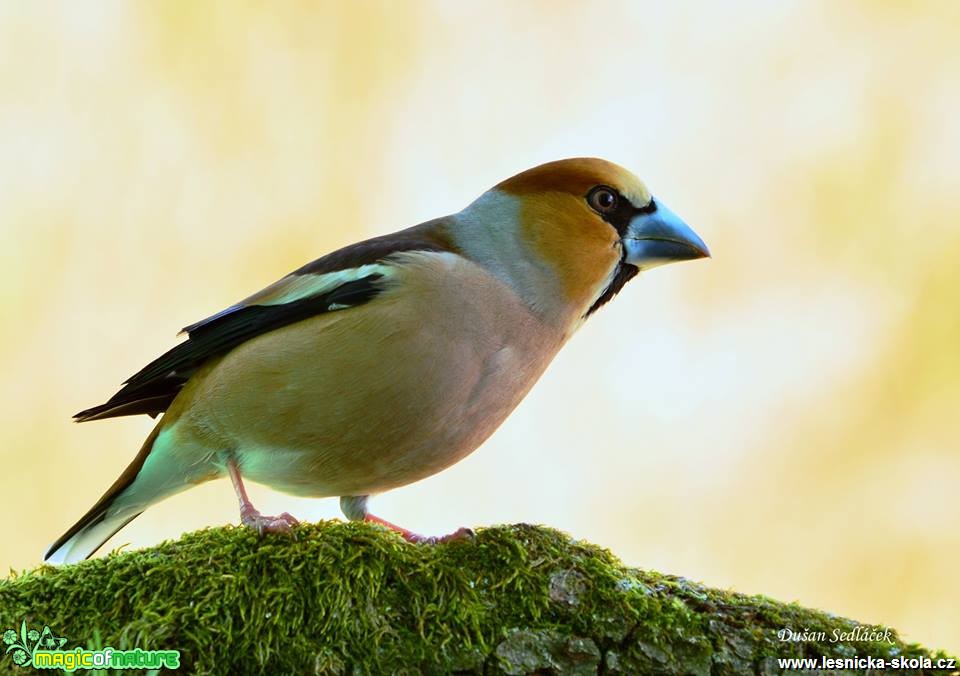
(459, 534)
(281, 523)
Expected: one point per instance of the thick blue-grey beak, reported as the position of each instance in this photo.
(660, 237)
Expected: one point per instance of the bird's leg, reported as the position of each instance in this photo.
(354, 507)
(249, 516)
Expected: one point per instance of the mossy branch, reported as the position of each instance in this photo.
(352, 598)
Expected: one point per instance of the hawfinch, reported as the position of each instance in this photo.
(388, 360)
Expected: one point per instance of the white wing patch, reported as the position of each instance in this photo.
(298, 287)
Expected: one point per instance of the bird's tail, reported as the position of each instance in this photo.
(120, 505)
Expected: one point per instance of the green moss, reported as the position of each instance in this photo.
(351, 598)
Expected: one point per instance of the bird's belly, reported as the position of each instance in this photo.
(307, 412)
(423, 433)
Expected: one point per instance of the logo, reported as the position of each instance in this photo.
(45, 650)
(27, 643)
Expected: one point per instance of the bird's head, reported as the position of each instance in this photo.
(568, 235)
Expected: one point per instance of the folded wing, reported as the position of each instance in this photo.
(344, 279)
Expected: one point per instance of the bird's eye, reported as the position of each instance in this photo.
(603, 199)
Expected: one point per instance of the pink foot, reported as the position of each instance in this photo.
(459, 534)
(410, 536)
(249, 516)
(268, 524)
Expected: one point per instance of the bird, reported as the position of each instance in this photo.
(388, 360)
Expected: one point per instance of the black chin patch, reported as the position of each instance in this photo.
(625, 272)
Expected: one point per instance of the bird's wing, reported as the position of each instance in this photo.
(343, 279)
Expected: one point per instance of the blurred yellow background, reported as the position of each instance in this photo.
(782, 419)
